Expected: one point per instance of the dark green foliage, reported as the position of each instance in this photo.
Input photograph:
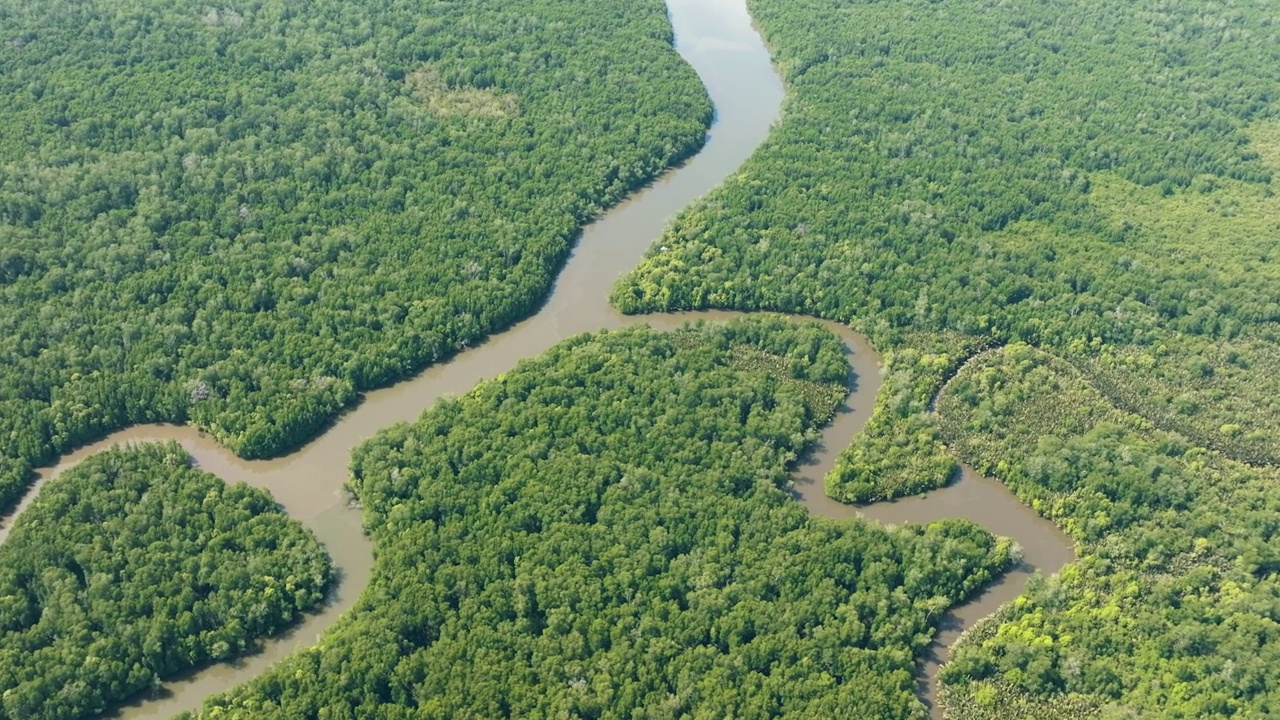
(1056, 173)
(916, 130)
(241, 217)
(1173, 610)
(133, 567)
(602, 532)
(1096, 182)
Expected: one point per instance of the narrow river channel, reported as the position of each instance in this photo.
(717, 38)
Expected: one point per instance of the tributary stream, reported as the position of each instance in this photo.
(718, 39)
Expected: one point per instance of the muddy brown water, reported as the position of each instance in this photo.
(718, 39)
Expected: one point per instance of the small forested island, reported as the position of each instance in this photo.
(1057, 221)
(241, 215)
(604, 532)
(1091, 181)
(133, 567)
(1097, 190)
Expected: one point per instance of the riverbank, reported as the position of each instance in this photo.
(719, 41)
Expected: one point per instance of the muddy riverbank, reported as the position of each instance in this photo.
(718, 39)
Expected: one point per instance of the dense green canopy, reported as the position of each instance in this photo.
(1061, 173)
(242, 215)
(1097, 182)
(1174, 608)
(132, 567)
(603, 533)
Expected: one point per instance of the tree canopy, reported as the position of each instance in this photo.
(1058, 216)
(1173, 610)
(1096, 191)
(1091, 181)
(132, 567)
(240, 216)
(604, 532)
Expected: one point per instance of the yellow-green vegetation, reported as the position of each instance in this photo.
(1061, 174)
(998, 698)
(603, 533)
(430, 89)
(899, 452)
(1224, 395)
(242, 217)
(1216, 226)
(1173, 610)
(748, 358)
(132, 568)
(1100, 185)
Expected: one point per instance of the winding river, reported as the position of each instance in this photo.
(718, 39)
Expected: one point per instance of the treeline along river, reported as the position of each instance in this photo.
(718, 39)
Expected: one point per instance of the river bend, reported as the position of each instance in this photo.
(717, 38)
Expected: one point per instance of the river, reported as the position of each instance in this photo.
(719, 41)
